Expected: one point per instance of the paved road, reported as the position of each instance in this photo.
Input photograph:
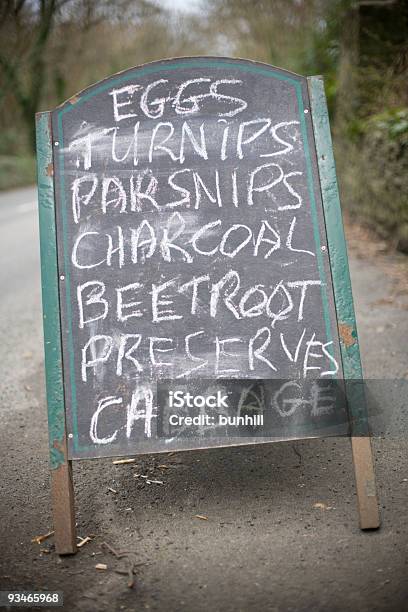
(264, 546)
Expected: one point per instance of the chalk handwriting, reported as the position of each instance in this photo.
(193, 252)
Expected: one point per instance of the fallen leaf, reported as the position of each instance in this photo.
(41, 538)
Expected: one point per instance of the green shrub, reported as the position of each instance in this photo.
(373, 169)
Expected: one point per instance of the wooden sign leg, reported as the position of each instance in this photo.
(63, 506)
(365, 482)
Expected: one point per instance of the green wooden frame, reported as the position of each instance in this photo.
(350, 350)
(343, 296)
(346, 320)
(50, 293)
(61, 471)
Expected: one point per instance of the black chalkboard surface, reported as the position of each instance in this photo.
(192, 252)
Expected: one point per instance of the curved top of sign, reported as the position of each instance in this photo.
(170, 64)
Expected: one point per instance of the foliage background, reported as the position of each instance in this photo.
(50, 49)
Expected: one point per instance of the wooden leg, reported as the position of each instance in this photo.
(63, 503)
(365, 482)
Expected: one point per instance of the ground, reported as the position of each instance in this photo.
(279, 526)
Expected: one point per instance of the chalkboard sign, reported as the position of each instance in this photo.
(192, 246)
(196, 290)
